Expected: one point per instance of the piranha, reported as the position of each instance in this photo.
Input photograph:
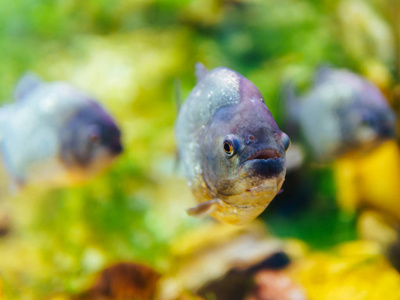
(342, 114)
(55, 134)
(231, 148)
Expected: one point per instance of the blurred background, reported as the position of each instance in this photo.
(127, 54)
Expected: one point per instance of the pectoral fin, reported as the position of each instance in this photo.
(205, 208)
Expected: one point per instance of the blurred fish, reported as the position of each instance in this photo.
(341, 114)
(55, 134)
(232, 150)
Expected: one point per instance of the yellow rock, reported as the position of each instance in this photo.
(354, 271)
(376, 226)
(372, 180)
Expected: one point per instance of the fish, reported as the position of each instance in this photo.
(54, 134)
(231, 148)
(341, 114)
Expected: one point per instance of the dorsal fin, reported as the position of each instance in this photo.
(291, 108)
(291, 102)
(178, 94)
(178, 104)
(322, 74)
(27, 83)
(201, 72)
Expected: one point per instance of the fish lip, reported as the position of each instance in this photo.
(264, 154)
(267, 155)
(116, 149)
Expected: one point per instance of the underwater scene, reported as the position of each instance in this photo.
(200, 149)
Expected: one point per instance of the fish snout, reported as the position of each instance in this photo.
(264, 163)
(116, 147)
(111, 138)
(388, 130)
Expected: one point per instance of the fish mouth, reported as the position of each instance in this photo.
(116, 148)
(265, 154)
(265, 163)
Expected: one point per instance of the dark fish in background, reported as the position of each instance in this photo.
(345, 120)
(55, 134)
(231, 148)
(341, 114)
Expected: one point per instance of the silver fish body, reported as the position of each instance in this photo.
(341, 114)
(55, 134)
(231, 148)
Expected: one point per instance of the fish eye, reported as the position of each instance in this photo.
(285, 141)
(230, 146)
(94, 138)
(94, 135)
(368, 120)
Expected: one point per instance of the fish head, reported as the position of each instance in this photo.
(243, 150)
(365, 127)
(90, 141)
(366, 119)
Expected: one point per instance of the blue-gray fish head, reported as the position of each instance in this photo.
(90, 140)
(365, 126)
(361, 113)
(243, 150)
